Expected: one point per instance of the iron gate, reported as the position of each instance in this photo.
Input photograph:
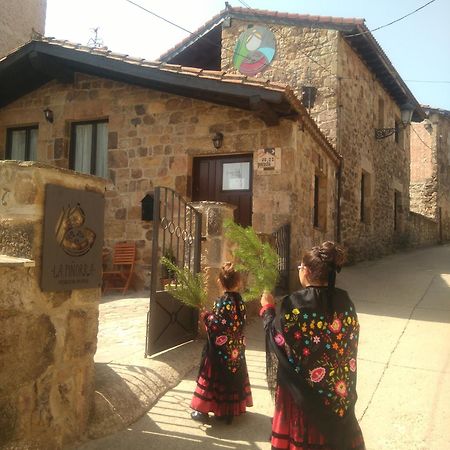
(282, 244)
(177, 236)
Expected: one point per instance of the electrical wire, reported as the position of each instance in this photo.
(420, 139)
(429, 81)
(394, 21)
(229, 51)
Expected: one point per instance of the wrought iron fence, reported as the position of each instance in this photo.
(282, 244)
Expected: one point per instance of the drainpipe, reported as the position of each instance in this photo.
(338, 201)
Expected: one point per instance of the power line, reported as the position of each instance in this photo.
(394, 21)
(159, 17)
(303, 52)
(420, 139)
(429, 81)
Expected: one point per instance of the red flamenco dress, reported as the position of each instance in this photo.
(311, 370)
(223, 386)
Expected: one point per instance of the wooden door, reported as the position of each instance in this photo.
(225, 179)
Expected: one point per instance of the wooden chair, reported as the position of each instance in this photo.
(123, 261)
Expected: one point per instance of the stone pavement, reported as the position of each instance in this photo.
(403, 302)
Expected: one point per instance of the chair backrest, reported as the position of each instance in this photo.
(124, 253)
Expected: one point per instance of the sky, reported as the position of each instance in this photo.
(418, 46)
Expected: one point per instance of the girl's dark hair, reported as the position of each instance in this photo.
(228, 276)
(323, 259)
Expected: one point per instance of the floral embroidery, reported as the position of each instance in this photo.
(341, 388)
(352, 364)
(336, 326)
(317, 374)
(328, 349)
(220, 340)
(225, 329)
(279, 339)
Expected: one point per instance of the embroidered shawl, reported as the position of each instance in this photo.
(226, 342)
(312, 350)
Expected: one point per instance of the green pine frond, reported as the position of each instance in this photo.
(253, 257)
(189, 288)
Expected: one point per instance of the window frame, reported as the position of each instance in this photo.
(9, 133)
(73, 142)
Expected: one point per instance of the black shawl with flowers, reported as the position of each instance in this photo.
(226, 343)
(311, 350)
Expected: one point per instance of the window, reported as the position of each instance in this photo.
(380, 112)
(397, 131)
(89, 148)
(236, 176)
(365, 197)
(397, 209)
(21, 143)
(320, 201)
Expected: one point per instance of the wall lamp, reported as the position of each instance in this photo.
(48, 113)
(406, 112)
(217, 140)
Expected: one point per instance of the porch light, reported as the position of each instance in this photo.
(406, 112)
(217, 140)
(48, 113)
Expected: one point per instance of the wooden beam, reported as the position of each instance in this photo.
(263, 111)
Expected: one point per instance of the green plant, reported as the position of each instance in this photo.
(167, 272)
(189, 288)
(253, 257)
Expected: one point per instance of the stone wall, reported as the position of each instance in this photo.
(430, 170)
(47, 339)
(422, 231)
(17, 21)
(423, 189)
(346, 110)
(153, 138)
(385, 161)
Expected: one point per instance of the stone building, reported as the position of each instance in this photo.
(430, 169)
(19, 20)
(142, 124)
(350, 89)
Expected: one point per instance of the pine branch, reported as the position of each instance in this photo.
(253, 257)
(189, 288)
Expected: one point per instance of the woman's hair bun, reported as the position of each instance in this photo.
(332, 253)
(228, 267)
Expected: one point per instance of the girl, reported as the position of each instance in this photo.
(311, 359)
(223, 386)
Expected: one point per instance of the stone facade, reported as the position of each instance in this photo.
(347, 111)
(153, 138)
(430, 170)
(47, 339)
(18, 20)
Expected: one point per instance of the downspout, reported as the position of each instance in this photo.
(338, 146)
(338, 201)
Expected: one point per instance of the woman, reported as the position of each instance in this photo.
(311, 359)
(223, 386)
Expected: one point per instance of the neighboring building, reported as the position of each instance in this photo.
(144, 124)
(430, 169)
(19, 21)
(350, 89)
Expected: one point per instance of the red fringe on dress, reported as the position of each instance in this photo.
(213, 396)
(291, 429)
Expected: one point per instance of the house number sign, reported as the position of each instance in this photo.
(268, 161)
(73, 239)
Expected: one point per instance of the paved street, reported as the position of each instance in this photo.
(403, 302)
